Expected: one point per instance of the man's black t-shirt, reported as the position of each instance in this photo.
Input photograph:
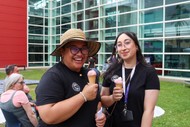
(144, 78)
(60, 83)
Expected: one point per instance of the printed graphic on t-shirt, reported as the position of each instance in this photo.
(75, 87)
(114, 77)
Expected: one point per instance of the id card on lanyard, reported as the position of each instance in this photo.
(126, 90)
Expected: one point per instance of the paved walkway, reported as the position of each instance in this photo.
(158, 111)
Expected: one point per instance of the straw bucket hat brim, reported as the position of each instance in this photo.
(76, 35)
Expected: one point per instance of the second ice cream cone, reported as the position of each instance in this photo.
(119, 85)
(118, 82)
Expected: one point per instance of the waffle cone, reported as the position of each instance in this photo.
(119, 85)
(92, 79)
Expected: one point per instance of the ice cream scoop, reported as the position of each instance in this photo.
(91, 77)
(118, 82)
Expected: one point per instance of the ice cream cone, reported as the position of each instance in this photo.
(119, 85)
(118, 82)
(92, 77)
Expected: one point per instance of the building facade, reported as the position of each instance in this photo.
(162, 26)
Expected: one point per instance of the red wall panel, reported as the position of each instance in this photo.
(13, 32)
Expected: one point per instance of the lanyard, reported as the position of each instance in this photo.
(126, 90)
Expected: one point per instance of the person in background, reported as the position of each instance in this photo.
(63, 96)
(13, 68)
(134, 103)
(14, 100)
(92, 65)
(113, 58)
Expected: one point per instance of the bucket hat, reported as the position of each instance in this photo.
(76, 35)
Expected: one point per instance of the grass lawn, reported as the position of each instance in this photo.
(173, 99)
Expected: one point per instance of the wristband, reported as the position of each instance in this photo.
(85, 100)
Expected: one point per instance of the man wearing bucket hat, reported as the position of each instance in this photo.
(63, 96)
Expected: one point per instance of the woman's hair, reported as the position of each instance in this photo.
(12, 79)
(115, 66)
(10, 68)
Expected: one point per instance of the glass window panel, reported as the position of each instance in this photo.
(35, 39)
(54, 12)
(31, 2)
(91, 3)
(46, 13)
(91, 24)
(127, 5)
(65, 1)
(150, 3)
(127, 19)
(46, 39)
(64, 28)
(110, 34)
(35, 30)
(46, 21)
(109, 10)
(154, 15)
(66, 9)
(58, 39)
(58, 12)
(174, 1)
(58, 2)
(154, 30)
(37, 12)
(93, 35)
(110, 21)
(80, 25)
(80, 16)
(58, 21)
(92, 13)
(109, 46)
(177, 12)
(35, 57)
(152, 45)
(110, 1)
(177, 61)
(46, 30)
(80, 4)
(66, 19)
(154, 59)
(46, 48)
(58, 30)
(179, 28)
(177, 45)
(131, 29)
(35, 48)
(36, 20)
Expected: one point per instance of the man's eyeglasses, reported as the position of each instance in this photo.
(74, 50)
(22, 82)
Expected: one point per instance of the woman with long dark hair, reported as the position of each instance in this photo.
(133, 104)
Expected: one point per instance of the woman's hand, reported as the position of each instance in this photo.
(100, 120)
(117, 93)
